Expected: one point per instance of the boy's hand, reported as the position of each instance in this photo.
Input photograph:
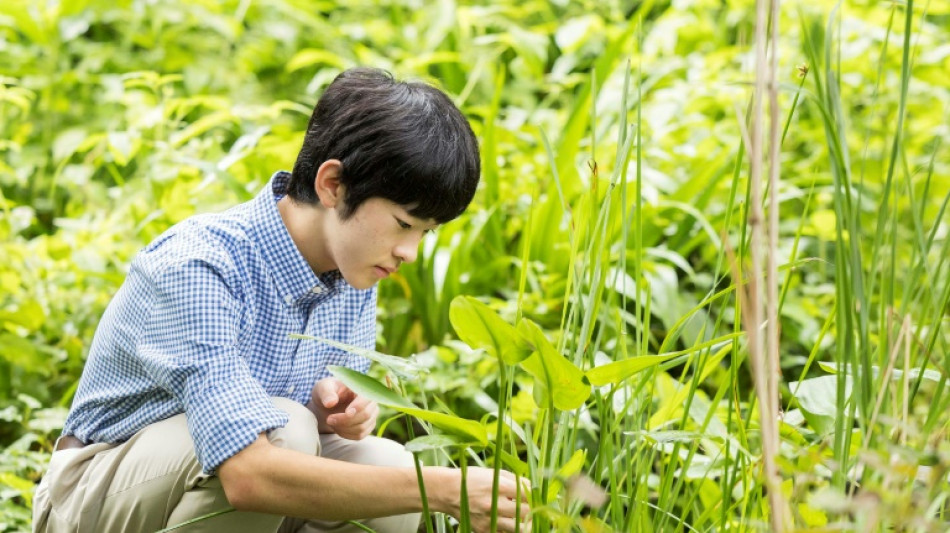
(511, 500)
(340, 410)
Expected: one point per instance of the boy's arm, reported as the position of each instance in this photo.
(269, 479)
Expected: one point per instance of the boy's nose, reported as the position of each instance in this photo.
(407, 250)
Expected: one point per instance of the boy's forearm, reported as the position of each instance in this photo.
(265, 478)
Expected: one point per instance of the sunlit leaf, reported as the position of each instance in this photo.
(403, 366)
(480, 327)
(818, 400)
(557, 380)
(437, 442)
(368, 387)
(896, 373)
(379, 393)
(309, 57)
(22, 353)
(620, 370)
(569, 469)
(29, 315)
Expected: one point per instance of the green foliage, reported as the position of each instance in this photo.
(590, 280)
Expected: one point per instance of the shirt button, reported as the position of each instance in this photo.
(288, 299)
(290, 389)
(317, 290)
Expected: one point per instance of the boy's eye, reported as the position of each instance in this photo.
(403, 224)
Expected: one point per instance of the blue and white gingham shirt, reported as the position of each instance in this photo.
(201, 326)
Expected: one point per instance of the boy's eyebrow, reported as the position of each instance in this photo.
(431, 222)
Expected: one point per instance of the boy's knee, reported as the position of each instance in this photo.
(300, 433)
(392, 453)
(372, 450)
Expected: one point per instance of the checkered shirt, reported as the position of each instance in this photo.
(201, 326)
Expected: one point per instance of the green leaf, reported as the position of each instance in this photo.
(557, 380)
(379, 393)
(403, 366)
(67, 142)
(469, 429)
(370, 388)
(666, 436)
(480, 327)
(567, 470)
(22, 353)
(515, 465)
(23, 486)
(818, 400)
(618, 371)
(896, 374)
(436, 442)
(29, 315)
(314, 56)
(573, 465)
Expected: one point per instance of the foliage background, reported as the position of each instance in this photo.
(118, 119)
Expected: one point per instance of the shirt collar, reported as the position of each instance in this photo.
(294, 278)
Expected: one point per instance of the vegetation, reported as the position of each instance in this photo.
(587, 322)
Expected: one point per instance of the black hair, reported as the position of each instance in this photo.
(402, 141)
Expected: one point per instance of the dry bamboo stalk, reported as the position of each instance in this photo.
(772, 341)
(765, 368)
(779, 515)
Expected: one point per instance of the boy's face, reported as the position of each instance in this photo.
(372, 243)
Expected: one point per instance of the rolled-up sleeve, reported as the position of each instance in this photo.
(189, 347)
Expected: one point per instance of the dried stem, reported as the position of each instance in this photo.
(765, 355)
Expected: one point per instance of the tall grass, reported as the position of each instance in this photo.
(708, 473)
(671, 437)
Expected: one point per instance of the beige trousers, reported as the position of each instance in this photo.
(153, 481)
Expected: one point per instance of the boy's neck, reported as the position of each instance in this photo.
(305, 223)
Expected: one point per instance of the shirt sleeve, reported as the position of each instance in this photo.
(189, 347)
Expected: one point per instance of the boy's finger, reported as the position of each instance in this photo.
(359, 404)
(327, 392)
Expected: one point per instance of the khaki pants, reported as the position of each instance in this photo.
(154, 481)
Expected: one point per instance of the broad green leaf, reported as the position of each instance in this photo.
(469, 429)
(379, 393)
(818, 400)
(557, 380)
(480, 327)
(366, 386)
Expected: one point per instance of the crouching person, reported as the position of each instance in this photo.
(196, 403)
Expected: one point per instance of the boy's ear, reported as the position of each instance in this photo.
(327, 183)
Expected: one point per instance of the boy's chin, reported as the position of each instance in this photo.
(359, 282)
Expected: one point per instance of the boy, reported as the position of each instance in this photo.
(195, 399)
